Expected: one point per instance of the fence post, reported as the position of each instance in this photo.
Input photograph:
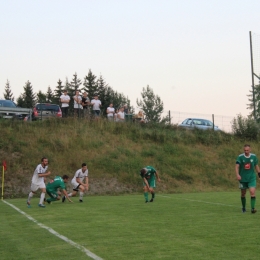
(213, 122)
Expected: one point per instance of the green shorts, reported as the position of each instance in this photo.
(151, 183)
(247, 185)
(52, 194)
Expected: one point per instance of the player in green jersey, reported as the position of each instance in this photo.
(54, 185)
(246, 165)
(149, 175)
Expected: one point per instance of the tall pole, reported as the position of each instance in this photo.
(252, 73)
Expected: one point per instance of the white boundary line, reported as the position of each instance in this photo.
(201, 201)
(82, 248)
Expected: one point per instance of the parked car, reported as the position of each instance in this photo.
(199, 123)
(43, 111)
(9, 115)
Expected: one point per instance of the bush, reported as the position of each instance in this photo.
(245, 127)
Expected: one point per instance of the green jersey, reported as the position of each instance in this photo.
(247, 167)
(55, 184)
(150, 174)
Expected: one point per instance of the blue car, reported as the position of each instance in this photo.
(199, 123)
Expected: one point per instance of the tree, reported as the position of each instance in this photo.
(151, 105)
(49, 95)
(41, 97)
(74, 85)
(27, 99)
(90, 85)
(8, 93)
(257, 102)
(58, 92)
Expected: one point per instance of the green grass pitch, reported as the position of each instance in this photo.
(175, 226)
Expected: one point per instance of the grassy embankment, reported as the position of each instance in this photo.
(188, 161)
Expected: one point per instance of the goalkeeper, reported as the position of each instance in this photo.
(149, 175)
(54, 185)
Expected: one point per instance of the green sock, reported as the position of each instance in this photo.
(146, 196)
(252, 202)
(243, 200)
(153, 195)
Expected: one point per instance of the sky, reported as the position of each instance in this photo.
(195, 55)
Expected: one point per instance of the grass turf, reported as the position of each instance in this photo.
(176, 226)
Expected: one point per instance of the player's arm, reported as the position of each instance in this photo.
(257, 168)
(237, 171)
(79, 181)
(66, 195)
(44, 174)
(157, 176)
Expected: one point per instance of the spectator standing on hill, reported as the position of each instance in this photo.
(246, 165)
(38, 182)
(77, 104)
(126, 109)
(121, 115)
(149, 176)
(53, 187)
(115, 116)
(85, 104)
(96, 103)
(110, 112)
(78, 184)
(65, 100)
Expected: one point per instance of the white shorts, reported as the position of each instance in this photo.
(35, 187)
(75, 185)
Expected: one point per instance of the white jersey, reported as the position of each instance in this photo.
(64, 97)
(79, 174)
(36, 179)
(96, 104)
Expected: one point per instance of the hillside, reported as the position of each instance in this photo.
(188, 161)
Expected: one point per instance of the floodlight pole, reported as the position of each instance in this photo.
(252, 73)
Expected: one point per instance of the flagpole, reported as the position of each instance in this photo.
(3, 177)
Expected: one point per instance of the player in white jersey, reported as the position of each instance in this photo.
(78, 182)
(38, 182)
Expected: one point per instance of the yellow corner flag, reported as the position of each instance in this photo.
(3, 178)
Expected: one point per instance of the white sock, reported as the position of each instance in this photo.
(81, 195)
(70, 194)
(30, 196)
(42, 197)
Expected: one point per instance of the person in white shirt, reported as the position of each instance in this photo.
(65, 100)
(110, 112)
(38, 182)
(77, 104)
(121, 115)
(96, 103)
(78, 183)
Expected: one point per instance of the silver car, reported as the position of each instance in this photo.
(199, 123)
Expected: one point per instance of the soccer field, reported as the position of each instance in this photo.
(176, 226)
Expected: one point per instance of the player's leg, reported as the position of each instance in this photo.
(243, 187)
(74, 192)
(252, 188)
(42, 197)
(34, 188)
(53, 196)
(152, 186)
(81, 193)
(145, 192)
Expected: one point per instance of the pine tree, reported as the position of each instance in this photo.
(27, 99)
(257, 102)
(151, 105)
(90, 85)
(41, 97)
(49, 95)
(8, 93)
(58, 92)
(74, 85)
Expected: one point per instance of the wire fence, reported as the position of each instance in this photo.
(223, 122)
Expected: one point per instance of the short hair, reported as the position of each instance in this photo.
(65, 177)
(44, 158)
(143, 171)
(83, 164)
(247, 145)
